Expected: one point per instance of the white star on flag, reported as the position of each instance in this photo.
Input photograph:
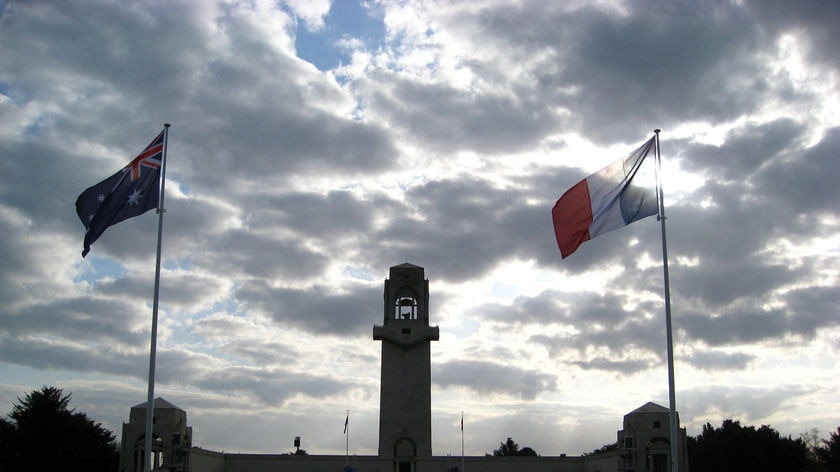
(134, 198)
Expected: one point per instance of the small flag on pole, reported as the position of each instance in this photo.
(606, 200)
(132, 191)
(346, 420)
(462, 421)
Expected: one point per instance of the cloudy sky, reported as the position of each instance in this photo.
(315, 144)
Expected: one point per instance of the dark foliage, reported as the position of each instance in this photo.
(45, 435)
(602, 449)
(733, 447)
(527, 451)
(829, 454)
(511, 448)
(6, 449)
(298, 452)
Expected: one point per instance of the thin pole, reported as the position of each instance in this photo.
(347, 439)
(671, 390)
(150, 406)
(462, 442)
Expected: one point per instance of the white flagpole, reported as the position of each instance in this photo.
(670, 342)
(147, 451)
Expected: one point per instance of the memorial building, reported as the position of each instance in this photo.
(405, 417)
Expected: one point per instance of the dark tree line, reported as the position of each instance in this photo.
(733, 447)
(829, 453)
(605, 448)
(43, 434)
(511, 448)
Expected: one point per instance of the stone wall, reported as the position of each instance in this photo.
(207, 461)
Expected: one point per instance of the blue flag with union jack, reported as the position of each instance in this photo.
(132, 191)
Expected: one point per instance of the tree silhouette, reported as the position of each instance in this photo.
(829, 454)
(602, 449)
(511, 448)
(733, 447)
(45, 435)
(507, 448)
(812, 443)
(7, 452)
(527, 451)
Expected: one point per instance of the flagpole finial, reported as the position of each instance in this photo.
(166, 125)
(656, 130)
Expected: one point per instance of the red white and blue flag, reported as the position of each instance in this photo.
(132, 191)
(606, 200)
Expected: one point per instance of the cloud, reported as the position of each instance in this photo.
(755, 144)
(619, 367)
(269, 386)
(716, 360)
(315, 310)
(312, 13)
(783, 181)
(489, 378)
(751, 404)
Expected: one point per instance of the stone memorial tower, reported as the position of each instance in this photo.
(171, 438)
(405, 404)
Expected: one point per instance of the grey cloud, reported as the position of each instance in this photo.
(746, 403)
(745, 325)
(262, 353)
(618, 367)
(180, 289)
(235, 339)
(804, 182)
(481, 223)
(543, 309)
(448, 119)
(600, 322)
(633, 73)
(317, 309)
(39, 353)
(713, 360)
(755, 279)
(811, 309)
(108, 357)
(773, 177)
(697, 63)
(279, 143)
(54, 187)
(109, 321)
(269, 386)
(730, 231)
(327, 217)
(814, 20)
(17, 266)
(489, 378)
(260, 255)
(745, 149)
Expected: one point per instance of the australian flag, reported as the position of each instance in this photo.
(132, 191)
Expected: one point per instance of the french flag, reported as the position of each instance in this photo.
(604, 201)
